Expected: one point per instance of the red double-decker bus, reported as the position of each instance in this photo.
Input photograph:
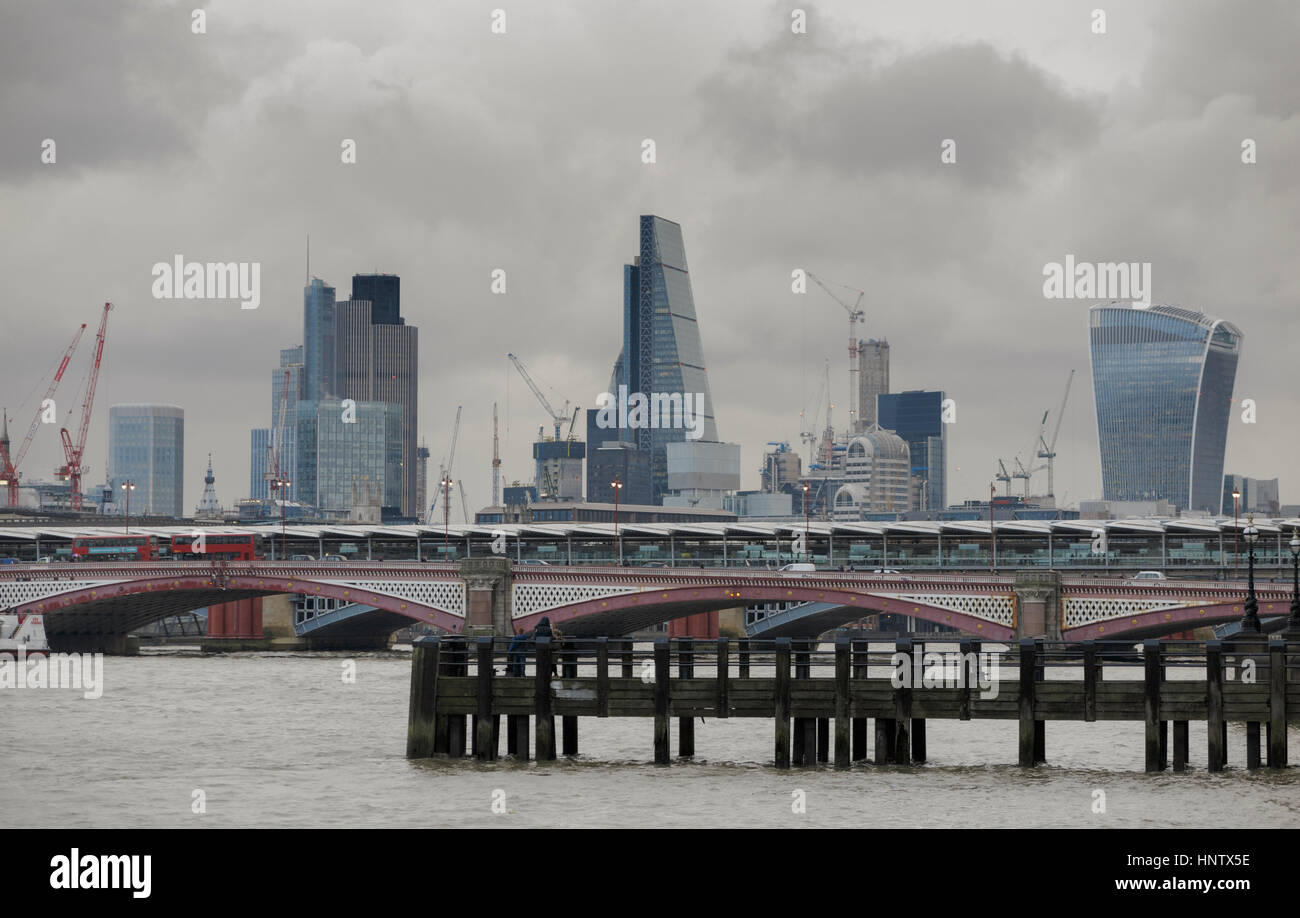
(214, 547)
(115, 548)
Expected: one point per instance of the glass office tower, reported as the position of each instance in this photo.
(146, 447)
(337, 458)
(917, 417)
(662, 351)
(1162, 381)
(318, 339)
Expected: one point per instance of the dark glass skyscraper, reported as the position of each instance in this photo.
(318, 339)
(1162, 380)
(662, 352)
(917, 417)
(384, 293)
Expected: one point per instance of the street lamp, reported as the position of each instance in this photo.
(1292, 632)
(128, 487)
(807, 546)
(617, 485)
(1236, 496)
(1250, 621)
(281, 485)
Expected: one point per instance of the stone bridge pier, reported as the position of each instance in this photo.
(1038, 604)
(487, 595)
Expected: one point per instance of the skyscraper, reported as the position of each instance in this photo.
(384, 293)
(287, 381)
(662, 351)
(873, 379)
(339, 458)
(378, 362)
(146, 447)
(318, 339)
(917, 417)
(1162, 380)
(258, 456)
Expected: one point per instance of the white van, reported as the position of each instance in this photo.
(1149, 575)
(799, 567)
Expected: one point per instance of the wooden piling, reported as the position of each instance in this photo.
(422, 709)
(569, 722)
(519, 732)
(781, 701)
(722, 701)
(1180, 745)
(542, 707)
(805, 740)
(686, 725)
(842, 722)
(1151, 703)
(1252, 744)
(602, 676)
(742, 657)
(1215, 727)
(858, 651)
(662, 675)
(884, 740)
(629, 662)
(968, 676)
(485, 731)
(903, 707)
(1091, 673)
(1028, 733)
(1277, 752)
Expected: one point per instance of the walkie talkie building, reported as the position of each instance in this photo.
(1162, 381)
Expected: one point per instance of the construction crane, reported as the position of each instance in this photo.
(496, 460)
(568, 442)
(445, 474)
(855, 314)
(1024, 474)
(1003, 477)
(73, 469)
(808, 419)
(1048, 451)
(464, 504)
(558, 417)
(9, 463)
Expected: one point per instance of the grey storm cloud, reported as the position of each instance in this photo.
(844, 107)
(112, 83)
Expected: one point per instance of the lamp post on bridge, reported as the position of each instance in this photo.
(617, 485)
(128, 486)
(1250, 621)
(1236, 496)
(807, 545)
(281, 486)
(1292, 632)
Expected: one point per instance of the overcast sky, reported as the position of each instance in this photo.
(522, 151)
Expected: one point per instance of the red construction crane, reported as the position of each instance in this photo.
(72, 469)
(9, 465)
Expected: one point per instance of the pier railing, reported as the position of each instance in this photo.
(803, 686)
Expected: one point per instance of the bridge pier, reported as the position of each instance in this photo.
(112, 645)
(1038, 604)
(487, 594)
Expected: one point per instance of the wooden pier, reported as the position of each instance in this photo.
(803, 689)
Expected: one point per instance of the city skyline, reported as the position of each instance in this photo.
(1050, 160)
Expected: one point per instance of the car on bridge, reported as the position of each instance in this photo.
(1149, 575)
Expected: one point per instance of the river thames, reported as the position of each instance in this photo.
(278, 740)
